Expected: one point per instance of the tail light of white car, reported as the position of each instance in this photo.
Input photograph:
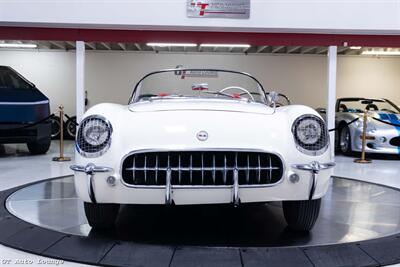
(94, 136)
(310, 135)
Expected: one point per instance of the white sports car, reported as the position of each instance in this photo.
(202, 136)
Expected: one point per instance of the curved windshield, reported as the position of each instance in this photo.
(358, 105)
(10, 79)
(198, 83)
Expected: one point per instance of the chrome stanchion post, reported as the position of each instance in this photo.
(364, 140)
(61, 157)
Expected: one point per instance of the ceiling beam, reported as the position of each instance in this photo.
(246, 49)
(291, 49)
(261, 48)
(91, 45)
(71, 44)
(43, 44)
(342, 49)
(353, 52)
(138, 47)
(122, 46)
(321, 50)
(276, 48)
(307, 49)
(59, 45)
(106, 45)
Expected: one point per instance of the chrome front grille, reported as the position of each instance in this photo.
(202, 168)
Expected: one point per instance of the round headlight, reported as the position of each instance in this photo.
(310, 134)
(94, 136)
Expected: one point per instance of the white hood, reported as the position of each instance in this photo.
(201, 104)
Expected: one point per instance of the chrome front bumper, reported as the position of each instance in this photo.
(314, 168)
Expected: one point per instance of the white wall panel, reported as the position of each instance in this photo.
(345, 16)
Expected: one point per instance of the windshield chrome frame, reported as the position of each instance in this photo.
(359, 99)
(134, 96)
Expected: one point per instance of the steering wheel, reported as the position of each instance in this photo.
(236, 87)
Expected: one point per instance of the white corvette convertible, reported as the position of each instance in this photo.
(202, 136)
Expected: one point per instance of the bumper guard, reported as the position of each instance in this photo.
(314, 167)
(90, 171)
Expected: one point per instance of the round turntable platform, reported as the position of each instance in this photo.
(359, 224)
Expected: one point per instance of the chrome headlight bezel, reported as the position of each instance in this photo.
(84, 147)
(359, 124)
(317, 148)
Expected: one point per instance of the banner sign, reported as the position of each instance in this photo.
(234, 9)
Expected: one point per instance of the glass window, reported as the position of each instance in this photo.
(9, 79)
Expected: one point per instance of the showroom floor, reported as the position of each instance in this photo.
(18, 168)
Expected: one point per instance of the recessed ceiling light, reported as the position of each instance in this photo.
(381, 53)
(355, 47)
(226, 45)
(171, 44)
(15, 45)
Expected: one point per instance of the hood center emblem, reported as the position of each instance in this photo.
(202, 135)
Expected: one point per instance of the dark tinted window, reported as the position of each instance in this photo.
(11, 79)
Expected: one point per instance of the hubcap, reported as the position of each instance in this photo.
(344, 140)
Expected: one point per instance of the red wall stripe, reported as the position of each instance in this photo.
(138, 36)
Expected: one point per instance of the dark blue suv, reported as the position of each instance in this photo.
(22, 105)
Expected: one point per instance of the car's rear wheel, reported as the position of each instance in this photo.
(301, 215)
(345, 140)
(70, 127)
(101, 216)
(40, 146)
(55, 127)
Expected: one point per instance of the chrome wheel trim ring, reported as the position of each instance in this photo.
(70, 129)
(55, 123)
(344, 139)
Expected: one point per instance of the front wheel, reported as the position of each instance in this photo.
(39, 147)
(345, 141)
(301, 215)
(101, 216)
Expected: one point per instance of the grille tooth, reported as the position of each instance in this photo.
(258, 169)
(179, 169)
(213, 170)
(133, 171)
(225, 171)
(156, 169)
(145, 167)
(270, 170)
(202, 168)
(248, 169)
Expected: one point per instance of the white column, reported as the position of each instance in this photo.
(80, 80)
(330, 110)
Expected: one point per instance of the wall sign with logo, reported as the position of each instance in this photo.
(235, 9)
